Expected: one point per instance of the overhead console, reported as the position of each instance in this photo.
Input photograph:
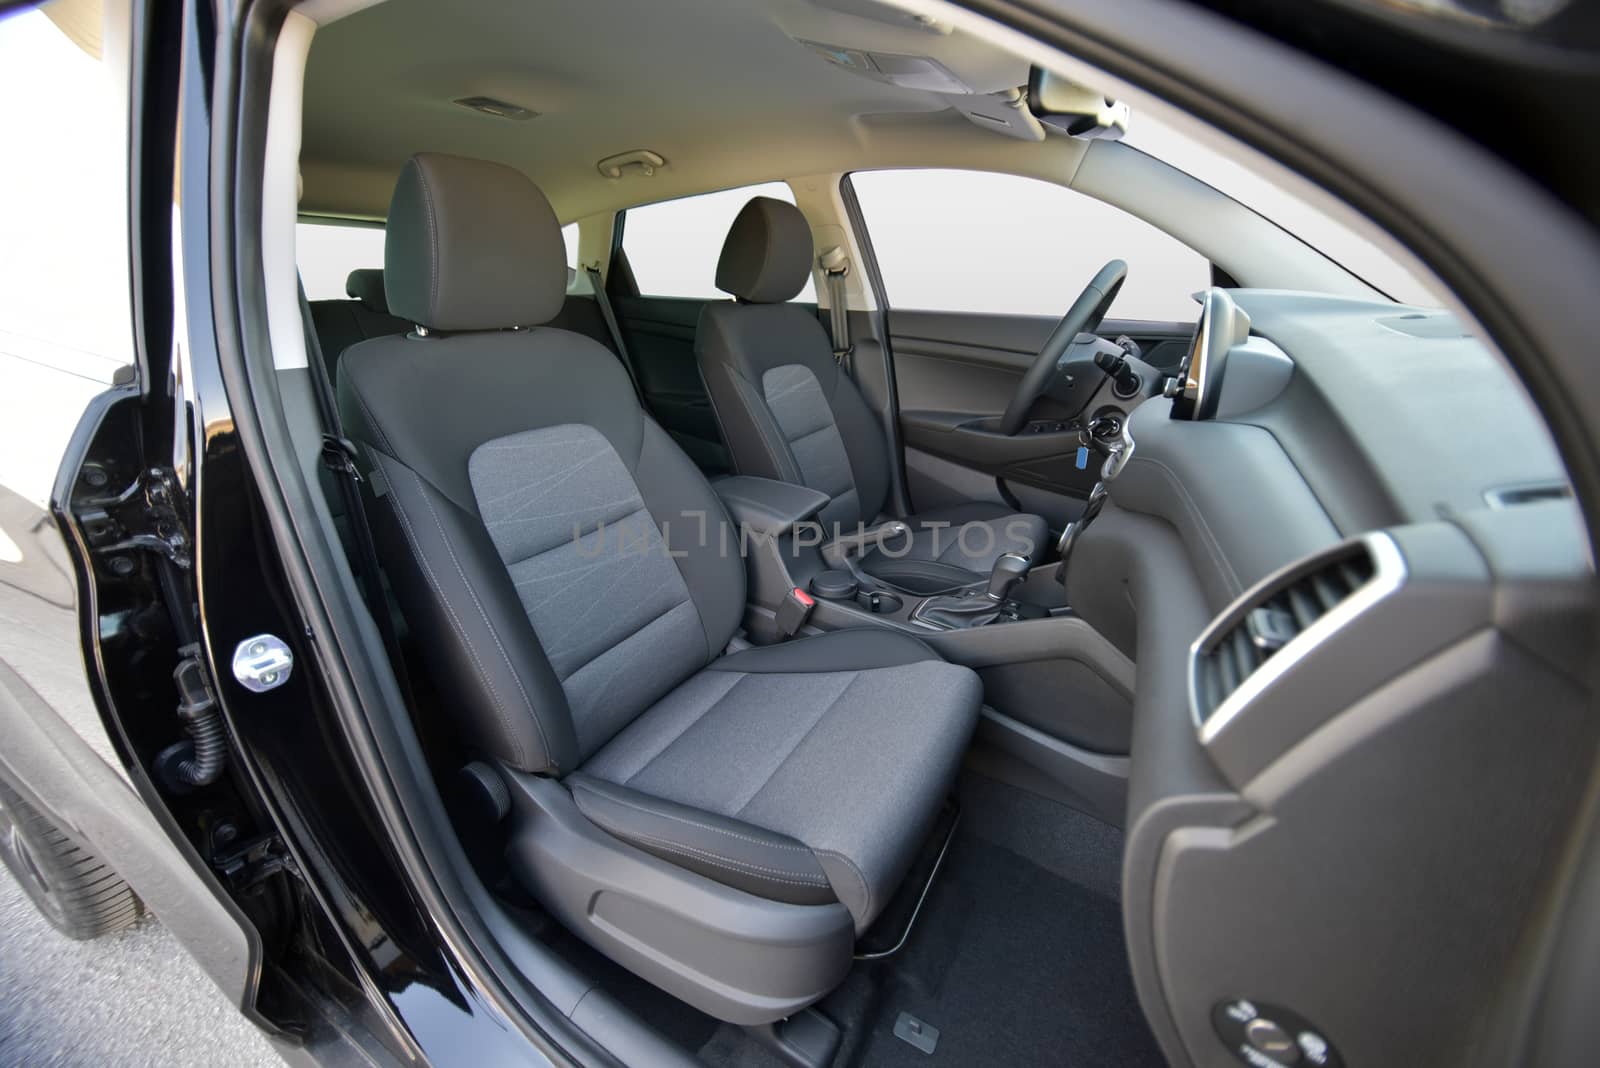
(1349, 715)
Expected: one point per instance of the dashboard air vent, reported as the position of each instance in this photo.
(1224, 663)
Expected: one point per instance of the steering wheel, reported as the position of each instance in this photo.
(1084, 317)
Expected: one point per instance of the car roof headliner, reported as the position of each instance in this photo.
(720, 88)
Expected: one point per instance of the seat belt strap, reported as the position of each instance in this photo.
(339, 454)
(836, 266)
(615, 330)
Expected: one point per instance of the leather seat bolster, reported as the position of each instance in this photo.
(728, 851)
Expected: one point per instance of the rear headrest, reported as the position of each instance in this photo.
(366, 285)
(767, 256)
(471, 245)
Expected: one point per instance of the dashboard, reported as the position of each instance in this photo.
(1345, 560)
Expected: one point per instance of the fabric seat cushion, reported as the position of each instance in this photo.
(842, 745)
(955, 546)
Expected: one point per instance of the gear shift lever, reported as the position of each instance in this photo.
(1009, 570)
(970, 609)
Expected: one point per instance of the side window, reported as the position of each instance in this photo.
(673, 246)
(326, 253)
(975, 241)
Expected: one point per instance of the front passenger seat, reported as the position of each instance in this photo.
(723, 825)
(789, 412)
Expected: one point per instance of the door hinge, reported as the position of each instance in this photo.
(147, 515)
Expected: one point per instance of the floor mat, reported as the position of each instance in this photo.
(1015, 966)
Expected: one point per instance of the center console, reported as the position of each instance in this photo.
(1058, 695)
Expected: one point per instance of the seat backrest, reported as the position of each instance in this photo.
(342, 323)
(787, 410)
(560, 561)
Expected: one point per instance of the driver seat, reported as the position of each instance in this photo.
(789, 412)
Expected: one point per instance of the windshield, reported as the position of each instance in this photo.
(1316, 228)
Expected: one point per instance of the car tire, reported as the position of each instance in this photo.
(75, 890)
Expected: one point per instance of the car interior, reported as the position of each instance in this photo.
(911, 575)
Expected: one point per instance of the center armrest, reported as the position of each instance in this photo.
(766, 505)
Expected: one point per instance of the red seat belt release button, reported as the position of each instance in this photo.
(794, 611)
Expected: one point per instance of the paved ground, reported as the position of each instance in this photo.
(134, 998)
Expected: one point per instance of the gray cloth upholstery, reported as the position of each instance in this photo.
(420, 407)
(949, 545)
(591, 568)
(789, 412)
(343, 323)
(737, 345)
(766, 257)
(845, 743)
(794, 397)
(366, 285)
(471, 245)
(571, 579)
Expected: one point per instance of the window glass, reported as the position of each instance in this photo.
(327, 252)
(973, 241)
(673, 246)
(569, 234)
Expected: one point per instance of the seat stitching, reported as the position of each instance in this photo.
(855, 676)
(866, 890)
(382, 437)
(461, 572)
(680, 819)
(634, 633)
(821, 884)
(414, 545)
(433, 239)
(781, 875)
(746, 391)
(686, 727)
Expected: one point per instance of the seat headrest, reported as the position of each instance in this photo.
(366, 285)
(767, 256)
(471, 245)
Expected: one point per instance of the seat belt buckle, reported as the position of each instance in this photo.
(794, 611)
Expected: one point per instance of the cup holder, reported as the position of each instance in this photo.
(879, 601)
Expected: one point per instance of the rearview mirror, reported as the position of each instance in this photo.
(1075, 109)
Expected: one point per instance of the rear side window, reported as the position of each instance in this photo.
(975, 241)
(673, 246)
(327, 252)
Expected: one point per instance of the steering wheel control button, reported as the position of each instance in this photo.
(1271, 1036)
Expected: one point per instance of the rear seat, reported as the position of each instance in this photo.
(342, 323)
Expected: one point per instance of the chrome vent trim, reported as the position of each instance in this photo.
(1307, 594)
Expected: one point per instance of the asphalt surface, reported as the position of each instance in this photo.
(133, 998)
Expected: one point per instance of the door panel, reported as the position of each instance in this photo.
(956, 372)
